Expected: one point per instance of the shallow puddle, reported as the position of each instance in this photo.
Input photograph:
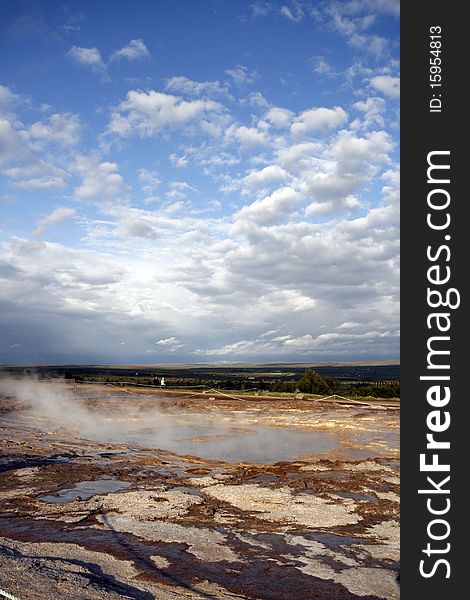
(86, 489)
(355, 496)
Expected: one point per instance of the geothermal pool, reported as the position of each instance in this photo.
(215, 441)
(238, 431)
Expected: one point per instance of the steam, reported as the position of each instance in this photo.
(108, 417)
(51, 401)
(54, 404)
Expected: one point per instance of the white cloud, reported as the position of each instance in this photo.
(178, 161)
(352, 161)
(390, 86)
(182, 186)
(373, 110)
(138, 227)
(58, 215)
(294, 12)
(300, 156)
(353, 20)
(351, 151)
(167, 342)
(241, 76)
(260, 9)
(279, 117)
(246, 137)
(380, 7)
(8, 99)
(256, 99)
(184, 85)
(150, 182)
(146, 113)
(348, 203)
(38, 183)
(348, 325)
(12, 146)
(36, 174)
(90, 57)
(175, 195)
(322, 67)
(374, 44)
(330, 175)
(316, 209)
(270, 208)
(319, 121)
(101, 181)
(267, 175)
(62, 129)
(135, 50)
(171, 344)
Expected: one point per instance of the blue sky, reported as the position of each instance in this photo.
(188, 181)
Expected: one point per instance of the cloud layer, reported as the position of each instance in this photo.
(194, 216)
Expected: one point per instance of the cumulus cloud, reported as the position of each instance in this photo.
(279, 117)
(373, 110)
(136, 226)
(101, 181)
(36, 174)
(8, 99)
(255, 99)
(270, 208)
(58, 215)
(32, 156)
(390, 86)
(319, 121)
(352, 161)
(134, 50)
(266, 176)
(61, 129)
(12, 146)
(146, 113)
(90, 57)
(246, 137)
(352, 151)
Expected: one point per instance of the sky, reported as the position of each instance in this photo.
(199, 181)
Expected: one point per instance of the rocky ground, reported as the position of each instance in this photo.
(85, 520)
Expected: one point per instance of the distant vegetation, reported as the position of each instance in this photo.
(311, 383)
(378, 381)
